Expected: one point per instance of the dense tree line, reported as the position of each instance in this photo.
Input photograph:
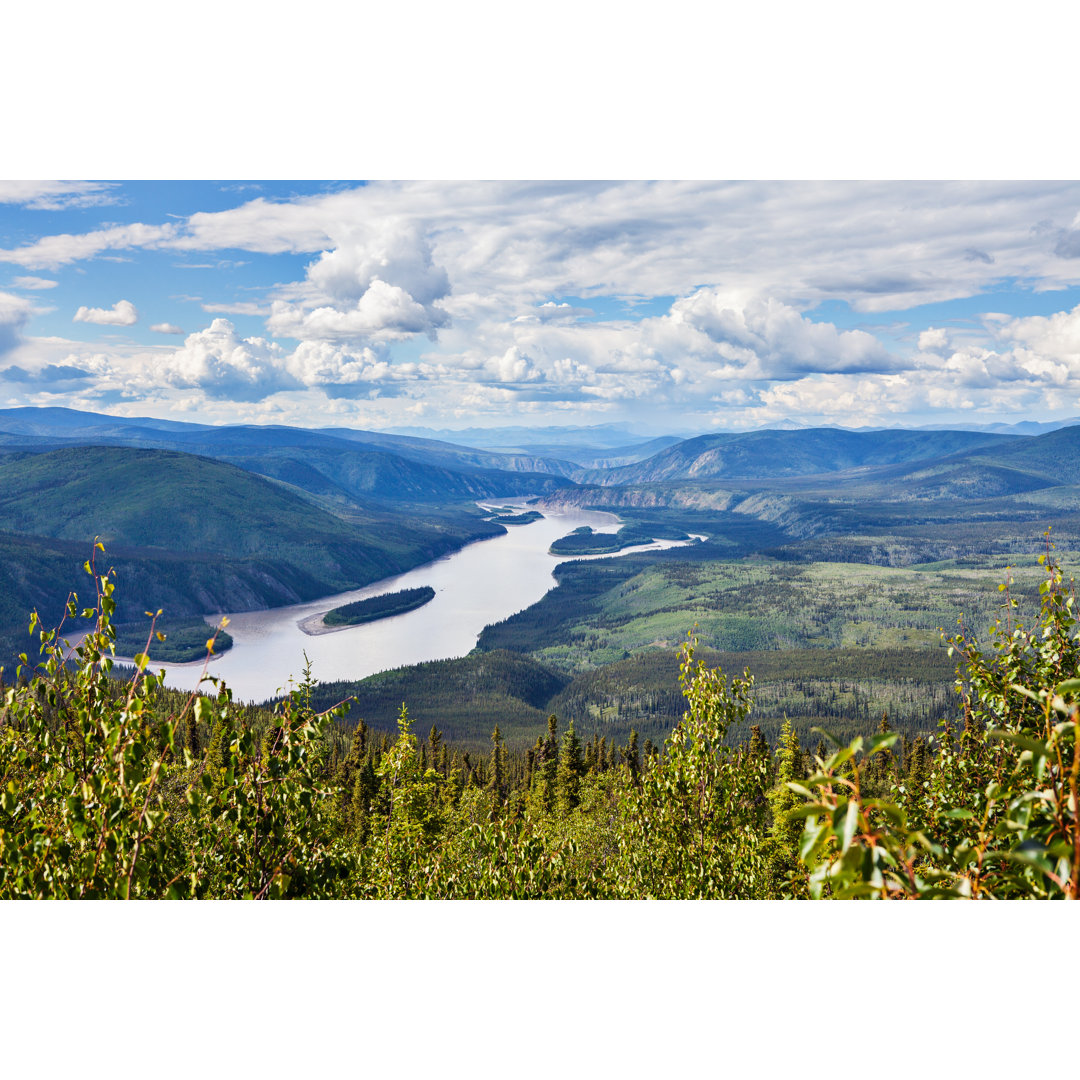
(124, 789)
(379, 607)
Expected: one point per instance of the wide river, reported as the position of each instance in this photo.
(482, 583)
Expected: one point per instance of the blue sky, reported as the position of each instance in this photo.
(667, 306)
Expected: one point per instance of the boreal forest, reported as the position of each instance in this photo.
(802, 664)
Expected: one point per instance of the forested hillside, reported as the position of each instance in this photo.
(116, 789)
(193, 536)
(806, 452)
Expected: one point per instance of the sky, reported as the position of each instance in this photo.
(664, 306)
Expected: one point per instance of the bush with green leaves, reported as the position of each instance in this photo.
(119, 788)
(98, 799)
(994, 812)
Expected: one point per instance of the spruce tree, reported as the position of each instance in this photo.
(785, 831)
(549, 772)
(193, 735)
(633, 759)
(498, 768)
(570, 770)
(878, 770)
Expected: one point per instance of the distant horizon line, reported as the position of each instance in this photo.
(624, 427)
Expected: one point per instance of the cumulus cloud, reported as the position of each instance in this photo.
(1056, 336)
(122, 313)
(320, 364)
(15, 312)
(223, 365)
(384, 312)
(380, 283)
(933, 340)
(166, 328)
(781, 341)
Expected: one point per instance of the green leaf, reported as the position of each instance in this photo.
(851, 823)
(1025, 742)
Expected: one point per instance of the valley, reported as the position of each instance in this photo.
(829, 562)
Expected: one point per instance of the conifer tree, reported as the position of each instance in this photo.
(785, 831)
(359, 807)
(633, 760)
(193, 735)
(570, 770)
(758, 748)
(498, 768)
(650, 752)
(880, 766)
(550, 770)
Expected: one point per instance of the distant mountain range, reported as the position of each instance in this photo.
(774, 453)
(347, 464)
(206, 518)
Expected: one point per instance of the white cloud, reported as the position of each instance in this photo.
(242, 307)
(745, 264)
(34, 283)
(528, 242)
(550, 312)
(1056, 336)
(222, 365)
(780, 340)
(15, 312)
(319, 364)
(384, 312)
(51, 252)
(58, 194)
(379, 283)
(166, 328)
(122, 313)
(934, 340)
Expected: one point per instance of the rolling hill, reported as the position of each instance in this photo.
(351, 463)
(192, 535)
(774, 453)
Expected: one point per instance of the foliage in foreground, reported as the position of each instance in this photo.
(117, 789)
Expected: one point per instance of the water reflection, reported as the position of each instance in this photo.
(480, 584)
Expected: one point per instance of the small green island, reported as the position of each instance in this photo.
(583, 541)
(379, 607)
(185, 640)
(517, 519)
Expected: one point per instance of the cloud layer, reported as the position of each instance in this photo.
(701, 303)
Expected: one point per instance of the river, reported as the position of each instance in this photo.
(482, 583)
